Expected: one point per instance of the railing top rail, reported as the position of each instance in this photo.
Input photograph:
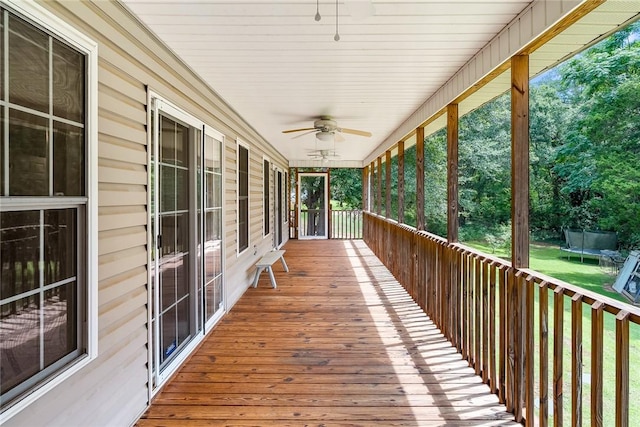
(498, 262)
(426, 234)
(610, 305)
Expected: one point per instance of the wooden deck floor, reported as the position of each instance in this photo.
(339, 342)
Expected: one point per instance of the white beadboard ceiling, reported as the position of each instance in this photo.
(280, 69)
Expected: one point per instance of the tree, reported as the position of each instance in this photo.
(484, 168)
(599, 160)
(346, 187)
(435, 182)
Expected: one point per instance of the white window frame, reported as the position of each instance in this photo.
(210, 131)
(61, 30)
(284, 213)
(266, 190)
(287, 198)
(240, 143)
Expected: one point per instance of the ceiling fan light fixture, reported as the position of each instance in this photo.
(324, 136)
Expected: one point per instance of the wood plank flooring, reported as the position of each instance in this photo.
(339, 342)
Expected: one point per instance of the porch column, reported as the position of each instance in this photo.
(387, 184)
(523, 362)
(372, 187)
(365, 188)
(520, 161)
(401, 182)
(379, 187)
(452, 173)
(420, 178)
(295, 206)
(329, 214)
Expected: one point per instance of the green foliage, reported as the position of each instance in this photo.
(585, 149)
(346, 188)
(435, 183)
(584, 155)
(485, 167)
(410, 182)
(500, 238)
(598, 160)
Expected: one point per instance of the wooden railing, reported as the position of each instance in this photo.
(343, 224)
(346, 224)
(510, 325)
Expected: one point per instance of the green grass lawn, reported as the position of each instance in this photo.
(550, 260)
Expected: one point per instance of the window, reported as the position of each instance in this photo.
(243, 197)
(266, 190)
(47, 215)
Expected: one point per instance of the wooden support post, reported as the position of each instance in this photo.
(372, 187)
(452, 173)
(420, 178)
(520, 161)
(401, 182)
(379, 187)
(329, 214)
(365, 188)
(295, 206)
(387, 184)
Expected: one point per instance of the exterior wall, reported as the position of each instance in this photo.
(112, 390)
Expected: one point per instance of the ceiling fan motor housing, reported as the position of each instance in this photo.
(325, 125)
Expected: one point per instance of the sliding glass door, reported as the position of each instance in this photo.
(186, 234)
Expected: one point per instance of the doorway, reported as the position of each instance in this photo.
(313, 212)
(186, 236)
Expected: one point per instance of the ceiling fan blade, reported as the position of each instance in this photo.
(339, 137)
(297, 130)
(355, 132)
(303, 134)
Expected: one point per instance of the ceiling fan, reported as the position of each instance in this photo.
(326, 129)
(323, 155)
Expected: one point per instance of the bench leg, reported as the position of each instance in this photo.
(255, 279)
(284, 264)
(272, 277)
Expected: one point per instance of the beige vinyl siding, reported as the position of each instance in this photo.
(255, 199)
(112, 390)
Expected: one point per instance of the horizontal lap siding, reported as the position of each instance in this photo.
(112, 390)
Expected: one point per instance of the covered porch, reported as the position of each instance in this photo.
(340, 341)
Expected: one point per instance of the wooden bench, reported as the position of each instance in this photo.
(266, 262)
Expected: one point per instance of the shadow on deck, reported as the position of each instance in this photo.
(339, 342)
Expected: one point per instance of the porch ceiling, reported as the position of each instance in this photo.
(280, 69)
